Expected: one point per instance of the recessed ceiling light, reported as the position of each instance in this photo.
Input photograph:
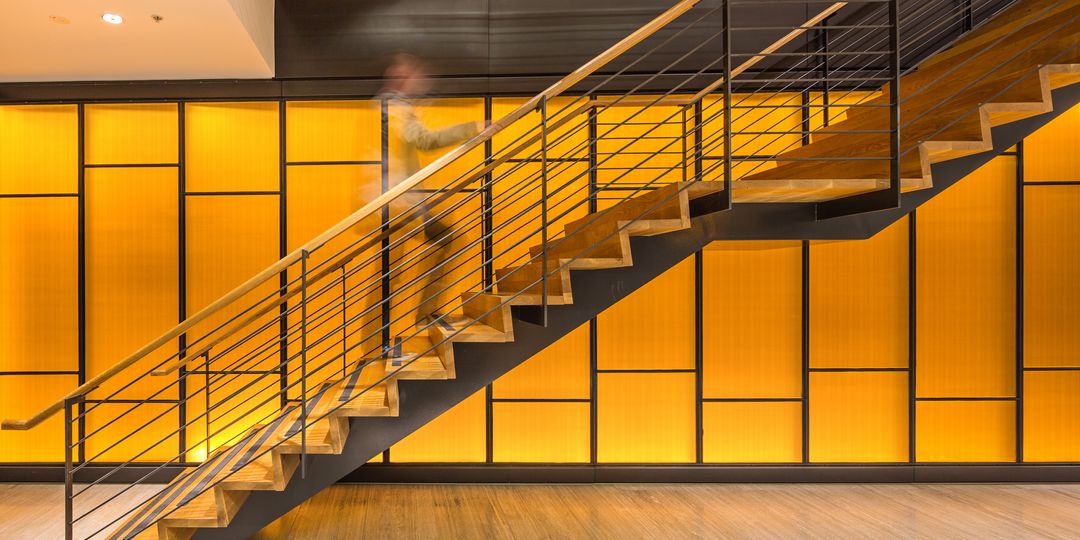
(112, 18)
(59, 19)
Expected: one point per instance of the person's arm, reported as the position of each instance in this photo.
(419, 136)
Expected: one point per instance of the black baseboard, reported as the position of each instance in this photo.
(851, 473)
(455, 473)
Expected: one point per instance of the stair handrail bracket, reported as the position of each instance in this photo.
(368, 210)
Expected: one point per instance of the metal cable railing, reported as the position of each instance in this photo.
(345, 302)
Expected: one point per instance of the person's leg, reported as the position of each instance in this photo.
(437, 234)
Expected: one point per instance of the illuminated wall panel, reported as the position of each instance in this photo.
(561, 371)
(132, 270)
(132, 133)
(516, 220)
(39, 321)
(1050, 152)
(645, 418)
(1052, 276)
(541, 432)
(966, 261)
(39, 149)
(229, 239)
(568, 132)
(858, 417)
(859, 301)
(232, 146)
(965, 431)
(745, 432)
(752, 320)
(1052, 416)
(653, 327)
(458, 435)
(146, 435)
(332, 131)
(319, 196)
(641, 146)
(22, 396)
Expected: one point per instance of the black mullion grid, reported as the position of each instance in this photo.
(699, 356)
(384, 172)
(805, 286)
(489, 278)
(1019, 302)
(181, 182)
(36, 195)
(593, 374)
(1053, 183)
(912, 335)
(283, 251)
(39, 372)
(81, 189)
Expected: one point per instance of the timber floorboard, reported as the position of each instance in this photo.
(631, 511)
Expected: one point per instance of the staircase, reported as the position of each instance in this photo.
(350, 376)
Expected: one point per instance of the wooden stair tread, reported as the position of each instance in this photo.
(465, 330)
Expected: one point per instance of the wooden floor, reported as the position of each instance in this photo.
(636, 511)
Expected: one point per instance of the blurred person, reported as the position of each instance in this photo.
(407, 81)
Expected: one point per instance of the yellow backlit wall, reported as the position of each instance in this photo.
(938, 340)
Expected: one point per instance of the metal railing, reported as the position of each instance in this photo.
(391, 280)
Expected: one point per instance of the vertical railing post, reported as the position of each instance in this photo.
(206, 400)
(727, 101)
(543, 211)
(69, 474)
(894, 98)
(303, 362)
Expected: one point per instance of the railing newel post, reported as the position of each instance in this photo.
(304, 254)
(543, 211)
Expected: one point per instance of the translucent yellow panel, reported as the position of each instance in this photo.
(751, 115)
(859, 301)
(541, 432)
(145, 435)
(742, 432)
(132, 268)
(645, 418)
(653, 327)
(231, 146)
(966, 293)
(39, 323)
(753, 319)
(238, 402)
(437, 114)
(642, 145)
(333, 130)
(22, 396)
(1051, 276)
(559, 371)
(858, 417)
(965, 431)
(516, 199)
(839, 106)
(1050, 153)
(568, 134)
(318, 198)
(457, 436)
(230, 239)
(1052, 416)
(39, 149)
(131, 133)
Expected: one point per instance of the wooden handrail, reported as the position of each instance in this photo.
(369, 209)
